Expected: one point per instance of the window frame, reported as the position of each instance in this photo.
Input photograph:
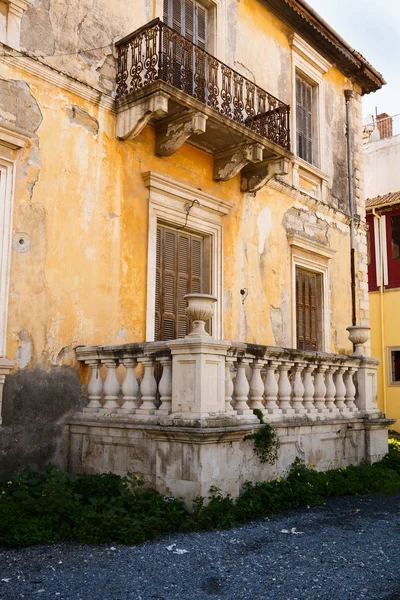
(319, 307)
(169, 201)
(389, 350)
(393, 265)
(315, 257)
(311, 66)
(7, 184)
(217, 23)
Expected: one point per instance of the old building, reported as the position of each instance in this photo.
(151, 149)
(382, 162)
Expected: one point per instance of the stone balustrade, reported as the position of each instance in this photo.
(143, 386)
(285, 383)
(203, 377)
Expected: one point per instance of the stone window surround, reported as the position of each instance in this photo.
(389, 350)
(9, 141)
(15, 10)
(309, 63)
(217, 24)
(316, 257)
(168, 204)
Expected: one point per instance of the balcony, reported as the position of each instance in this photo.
(190, 96)
(178, 412)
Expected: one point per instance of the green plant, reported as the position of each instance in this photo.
(266, 441)
(43, 508)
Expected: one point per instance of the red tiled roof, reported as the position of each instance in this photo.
(385, 200)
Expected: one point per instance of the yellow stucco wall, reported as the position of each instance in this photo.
(85, 209)
(387, 305)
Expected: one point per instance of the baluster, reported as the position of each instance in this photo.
(350, 390)
(256, 386)
(330, 390)
(298, 389)
(95, 387)
(285, 389)
(340, 389)
(165, 386)
(320, 389)
(111, 386)
(241, 388)
(309, 390)
(148, 388)
(129, 387)
(271, 389)
(229, 360)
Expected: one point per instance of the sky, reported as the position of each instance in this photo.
(373, 28)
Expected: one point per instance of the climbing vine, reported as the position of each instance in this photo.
(266, 441)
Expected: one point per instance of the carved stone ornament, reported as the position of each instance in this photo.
(200, 309)
(358, 335)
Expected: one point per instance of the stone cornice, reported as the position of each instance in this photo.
(12, 137)
(303, 243)
(18, 7)
(168, 187)
(34, 67)
(313, 203)
(309, 53)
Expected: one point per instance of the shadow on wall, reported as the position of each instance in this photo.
(36, 404)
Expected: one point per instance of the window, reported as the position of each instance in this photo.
(168, 202)
(393, 248)
(189, 18)
(308, 310)
(394, 365)
(373, 257)
(395, 228)
(179, 271)
(308, 114)
(305, 117)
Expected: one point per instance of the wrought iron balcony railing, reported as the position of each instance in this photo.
(157, 52)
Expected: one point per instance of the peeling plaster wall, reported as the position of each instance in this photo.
(77, 36)
(79, 276)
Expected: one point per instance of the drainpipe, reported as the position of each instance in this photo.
(349, 95)
(382, 320)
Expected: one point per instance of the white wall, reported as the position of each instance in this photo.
(382, 167)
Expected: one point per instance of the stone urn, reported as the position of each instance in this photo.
(358, 335)
(199, 310)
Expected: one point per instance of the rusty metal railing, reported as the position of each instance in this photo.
(157, 52)
(381, 128)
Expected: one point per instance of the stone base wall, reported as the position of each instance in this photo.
(186, 461)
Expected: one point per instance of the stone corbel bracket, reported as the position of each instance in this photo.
(255, 177)
(174, 133)
(229, 163)
(134, 119)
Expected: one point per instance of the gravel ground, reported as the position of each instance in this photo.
(346, 549)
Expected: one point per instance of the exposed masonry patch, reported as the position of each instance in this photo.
(306, 222)
(78, 116)
(24, 350)
(280, 320)
(20, 109)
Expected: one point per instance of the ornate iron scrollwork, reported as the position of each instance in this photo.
(158, 52)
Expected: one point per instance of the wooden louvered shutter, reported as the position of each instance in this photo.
(168, 285)
(166, 12)
(177, 15)
(308, 310)
(179, 271)
(189, 25)
(183, 284)
(201, 27)
(304, 120)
